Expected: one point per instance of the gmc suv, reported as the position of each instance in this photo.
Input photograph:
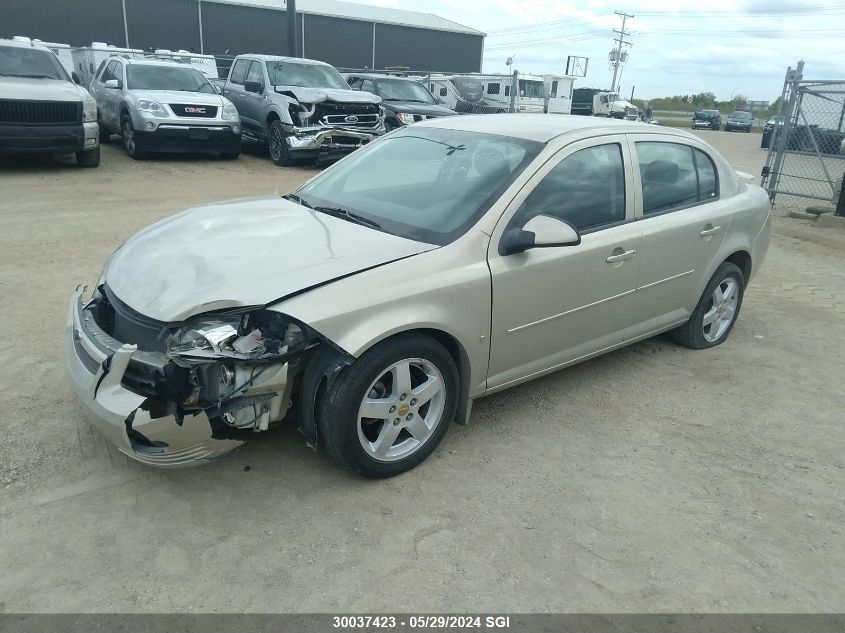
(41, 108)
(302, 109)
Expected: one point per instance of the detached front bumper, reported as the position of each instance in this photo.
(330, 139)
(97, 365)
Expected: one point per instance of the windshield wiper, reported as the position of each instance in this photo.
(297, 199)
(351, 216)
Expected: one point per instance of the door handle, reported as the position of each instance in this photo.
(712, 230)
(620, 257)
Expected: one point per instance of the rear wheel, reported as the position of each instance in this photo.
(91, 158)
(279, 152)
(716, 312)
(392, 407)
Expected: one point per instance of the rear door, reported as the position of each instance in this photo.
(683, 220)
(553, 306)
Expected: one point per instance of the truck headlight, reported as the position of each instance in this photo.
(230, 112)
(89, 111)
(152, 107)
(405, 118)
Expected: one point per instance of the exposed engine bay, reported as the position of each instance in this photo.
(239, 367)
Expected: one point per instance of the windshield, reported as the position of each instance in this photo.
(741, 115)
(186, 79)
(528, 88)
(16, 61)
(402, 90)
(305, 75)
(424, 184)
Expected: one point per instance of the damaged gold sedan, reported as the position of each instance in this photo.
(441, 263)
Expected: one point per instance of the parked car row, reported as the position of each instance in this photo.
(712, 119)
(302, 109)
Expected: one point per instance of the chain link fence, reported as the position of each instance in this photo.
(805, 166)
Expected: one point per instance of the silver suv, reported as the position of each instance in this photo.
(161, 106)
(41, 109)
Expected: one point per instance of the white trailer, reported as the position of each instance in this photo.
(87, 59)
(558, 93)
(488, 93)
(206, 64)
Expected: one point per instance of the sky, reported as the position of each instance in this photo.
(727, 47)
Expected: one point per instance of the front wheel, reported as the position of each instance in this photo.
(278, 145)
(716, 312)
(130, 142)
(388, 411)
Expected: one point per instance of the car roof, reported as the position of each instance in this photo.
(545, 127)
(280, 58)
(379, 76)
(149, 61)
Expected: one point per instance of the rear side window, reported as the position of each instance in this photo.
(674, 176)
(587, 189)
(239, 71)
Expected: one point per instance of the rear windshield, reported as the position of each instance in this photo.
(32, 63)
(187, 79)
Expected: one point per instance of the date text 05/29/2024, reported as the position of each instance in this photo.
(388, 622)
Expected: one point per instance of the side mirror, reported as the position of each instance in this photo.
(114, 84)
(541, 231)
(75, 78)
(254, 86)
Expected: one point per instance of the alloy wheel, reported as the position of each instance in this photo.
(129, 137)
(721, 311)
(401, 409)
(276, 141)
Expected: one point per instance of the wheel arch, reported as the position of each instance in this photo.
(742, 259)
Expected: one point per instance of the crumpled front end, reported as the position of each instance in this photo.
(333, 127)
(185, 393)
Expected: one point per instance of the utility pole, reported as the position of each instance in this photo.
(616, 58)
(290, 14)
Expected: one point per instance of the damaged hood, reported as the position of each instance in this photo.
(242, 253)
(318, 95)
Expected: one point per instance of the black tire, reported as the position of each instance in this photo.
(337, 411)
(279, 153)
(91, 158)
(691, 333)
(105, 135)
(127, 134)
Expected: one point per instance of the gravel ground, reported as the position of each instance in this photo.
(654, 478)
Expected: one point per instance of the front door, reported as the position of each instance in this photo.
(553, 306)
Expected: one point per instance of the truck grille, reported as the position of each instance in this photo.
(195, 111)
(50, 112)
(354, 115)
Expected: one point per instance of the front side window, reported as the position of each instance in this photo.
(32, 63)
(238, 75)
(304, 75)
(424, 184)
(108, 73)
(586, 189)
(187, 79)
(254, 73)
(674, 175)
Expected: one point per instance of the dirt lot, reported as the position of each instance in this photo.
(652, 479)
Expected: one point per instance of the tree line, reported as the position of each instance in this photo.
(701, 101)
